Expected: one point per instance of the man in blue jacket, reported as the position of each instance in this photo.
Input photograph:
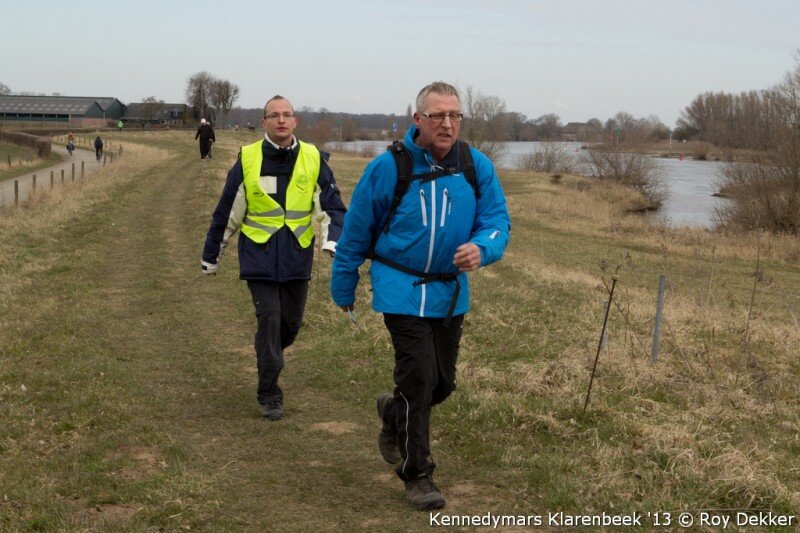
(273, 191)
(451, 220)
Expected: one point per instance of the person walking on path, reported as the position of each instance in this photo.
(271, 194)
(205, 132)
(425, 212)
(98, 148)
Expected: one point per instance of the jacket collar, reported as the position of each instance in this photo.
(292, 147)
(423, 155)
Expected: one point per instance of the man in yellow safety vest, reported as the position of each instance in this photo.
(273, 191)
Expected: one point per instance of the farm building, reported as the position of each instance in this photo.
(157, 113)
(74, 111)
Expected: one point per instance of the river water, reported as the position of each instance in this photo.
(690, 183)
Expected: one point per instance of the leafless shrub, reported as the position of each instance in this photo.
(763, 195)
(550, 158)
(632, 169)
(485, 123)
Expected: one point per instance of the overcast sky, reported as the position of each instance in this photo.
(578, 59)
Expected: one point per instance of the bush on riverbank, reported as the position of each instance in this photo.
(635, 169)
(553, 158)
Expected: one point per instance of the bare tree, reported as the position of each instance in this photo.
(223, 95)
(548, 126)
(485, 124)
(198, 93)
(4, 90)
(765, 194)
(152, 108)
(516, 125)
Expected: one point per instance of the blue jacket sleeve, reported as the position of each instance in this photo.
(368, 206)
(219, 220)
(492, 226)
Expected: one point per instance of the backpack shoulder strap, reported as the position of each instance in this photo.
(468, 166)
(405, 171)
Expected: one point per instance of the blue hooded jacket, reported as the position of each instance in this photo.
(431, 222)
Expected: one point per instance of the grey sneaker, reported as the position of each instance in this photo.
(387, 438)
(423, 495)
(272, 410)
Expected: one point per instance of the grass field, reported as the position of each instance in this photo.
(23, 161)
(127, 378)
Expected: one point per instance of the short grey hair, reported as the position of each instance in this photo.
(438, 87)
(276, 97)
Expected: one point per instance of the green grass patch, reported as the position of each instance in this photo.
(23, 161)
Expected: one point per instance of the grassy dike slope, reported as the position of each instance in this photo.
(127, 378)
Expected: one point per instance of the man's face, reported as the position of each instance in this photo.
(438, 136)
(280, 122)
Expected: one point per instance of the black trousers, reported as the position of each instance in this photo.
(279, 312)
(425, 353)
(205, 148)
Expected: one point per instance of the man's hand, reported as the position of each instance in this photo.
(346, 308)
(209, 268)
(331, 253)
(468, 257)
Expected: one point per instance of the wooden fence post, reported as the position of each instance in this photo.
(16, 192)
(82, 163)
(52, 181)
(62, 175)
(34, 182)
(73, 171)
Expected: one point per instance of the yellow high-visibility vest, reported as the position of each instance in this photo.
(264, 215)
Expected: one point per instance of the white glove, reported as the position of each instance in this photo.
(209, 268)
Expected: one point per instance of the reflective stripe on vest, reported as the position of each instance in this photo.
(264, 215)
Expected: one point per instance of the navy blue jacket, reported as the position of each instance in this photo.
(281, 258)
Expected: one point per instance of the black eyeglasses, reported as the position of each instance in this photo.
(438, 118)
(276, 116)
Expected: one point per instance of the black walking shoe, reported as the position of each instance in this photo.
(423, 495)
(272, 410)
(387, 438)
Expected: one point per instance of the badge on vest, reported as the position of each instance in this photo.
(302, 182)
(269, 184)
